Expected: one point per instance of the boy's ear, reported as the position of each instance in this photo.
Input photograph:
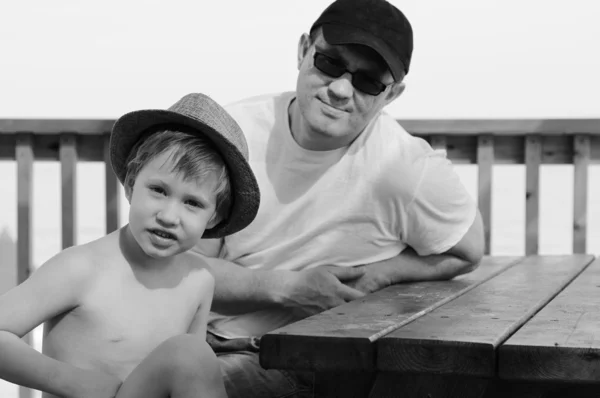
(213, 221)
(128, 192)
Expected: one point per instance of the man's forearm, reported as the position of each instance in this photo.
(241, 290)
(410, 267)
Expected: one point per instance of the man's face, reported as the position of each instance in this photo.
(169, 213)
(334, 112)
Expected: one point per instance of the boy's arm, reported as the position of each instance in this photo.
(54, 288)
(200, 320)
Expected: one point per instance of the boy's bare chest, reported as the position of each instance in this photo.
(135, 316)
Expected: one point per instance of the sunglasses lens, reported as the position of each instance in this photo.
(360, 81)
(328, 65)
(367, 84)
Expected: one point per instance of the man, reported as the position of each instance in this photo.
(350, 202)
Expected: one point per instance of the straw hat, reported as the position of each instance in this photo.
(209, 119)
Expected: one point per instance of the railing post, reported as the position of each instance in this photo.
(581, 161)
(438, 142)
(24, 157)
(68, 165)
(533, 159)
(111, 190)
(485, 162)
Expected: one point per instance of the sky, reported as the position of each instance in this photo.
(472, 58)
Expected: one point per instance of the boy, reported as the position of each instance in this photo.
(125, 315)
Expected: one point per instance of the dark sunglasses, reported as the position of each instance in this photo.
(360, 80)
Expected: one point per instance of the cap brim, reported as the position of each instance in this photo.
(340, 34)
(129, 128)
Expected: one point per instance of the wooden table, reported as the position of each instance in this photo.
(516, 326)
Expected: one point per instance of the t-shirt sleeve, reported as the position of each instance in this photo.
(441, 210)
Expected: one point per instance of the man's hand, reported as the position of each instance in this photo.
(316, 290)
(374, 278)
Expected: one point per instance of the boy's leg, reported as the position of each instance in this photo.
(181, 367)
(245, 378)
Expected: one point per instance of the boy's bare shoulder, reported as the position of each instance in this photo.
(82, 260)
(196, 261)
(198, 265)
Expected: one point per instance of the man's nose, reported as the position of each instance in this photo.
(341, 87)
(168, 214)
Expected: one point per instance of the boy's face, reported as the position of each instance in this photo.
(168, 214)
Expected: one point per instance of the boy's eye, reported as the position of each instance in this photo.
(194, 203)
(157, 189)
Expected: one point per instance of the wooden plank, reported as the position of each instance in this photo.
(24, 158)
(556, 149)
(485, 161)
(461, 149)
(46, 147)
(342, 338)
(422, 126)
(68, 168)
(562, 341)
(410, 385)
(501, 126)
(533, 155)
(111, 190)
(581, 161)
(461, 337)
(56, 126)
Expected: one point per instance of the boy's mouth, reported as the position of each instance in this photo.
(163, 234)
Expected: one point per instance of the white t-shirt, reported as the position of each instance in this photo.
(346, 207)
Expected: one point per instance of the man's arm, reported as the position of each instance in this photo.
(408, 266)
(240, 290)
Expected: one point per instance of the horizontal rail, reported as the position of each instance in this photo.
(414, 126)
(462, 149)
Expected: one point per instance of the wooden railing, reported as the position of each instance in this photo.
(481, 142)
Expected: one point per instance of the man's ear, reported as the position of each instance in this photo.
(303, 47)
(395, 91)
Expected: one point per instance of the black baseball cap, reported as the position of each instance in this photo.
(374, 23)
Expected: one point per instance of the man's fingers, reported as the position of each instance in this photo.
(348, 294)
(346, 273)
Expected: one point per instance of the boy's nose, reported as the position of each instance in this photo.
(168, 215)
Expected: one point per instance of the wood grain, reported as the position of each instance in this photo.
(111, 190)
(581, 161)
(414, 126)
(342, 338)
(24, 156)
(485, 163)
(562, 341)
(68, 176)
(533, 159)
(461, 337)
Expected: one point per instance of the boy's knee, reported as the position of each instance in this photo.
(190, 357)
